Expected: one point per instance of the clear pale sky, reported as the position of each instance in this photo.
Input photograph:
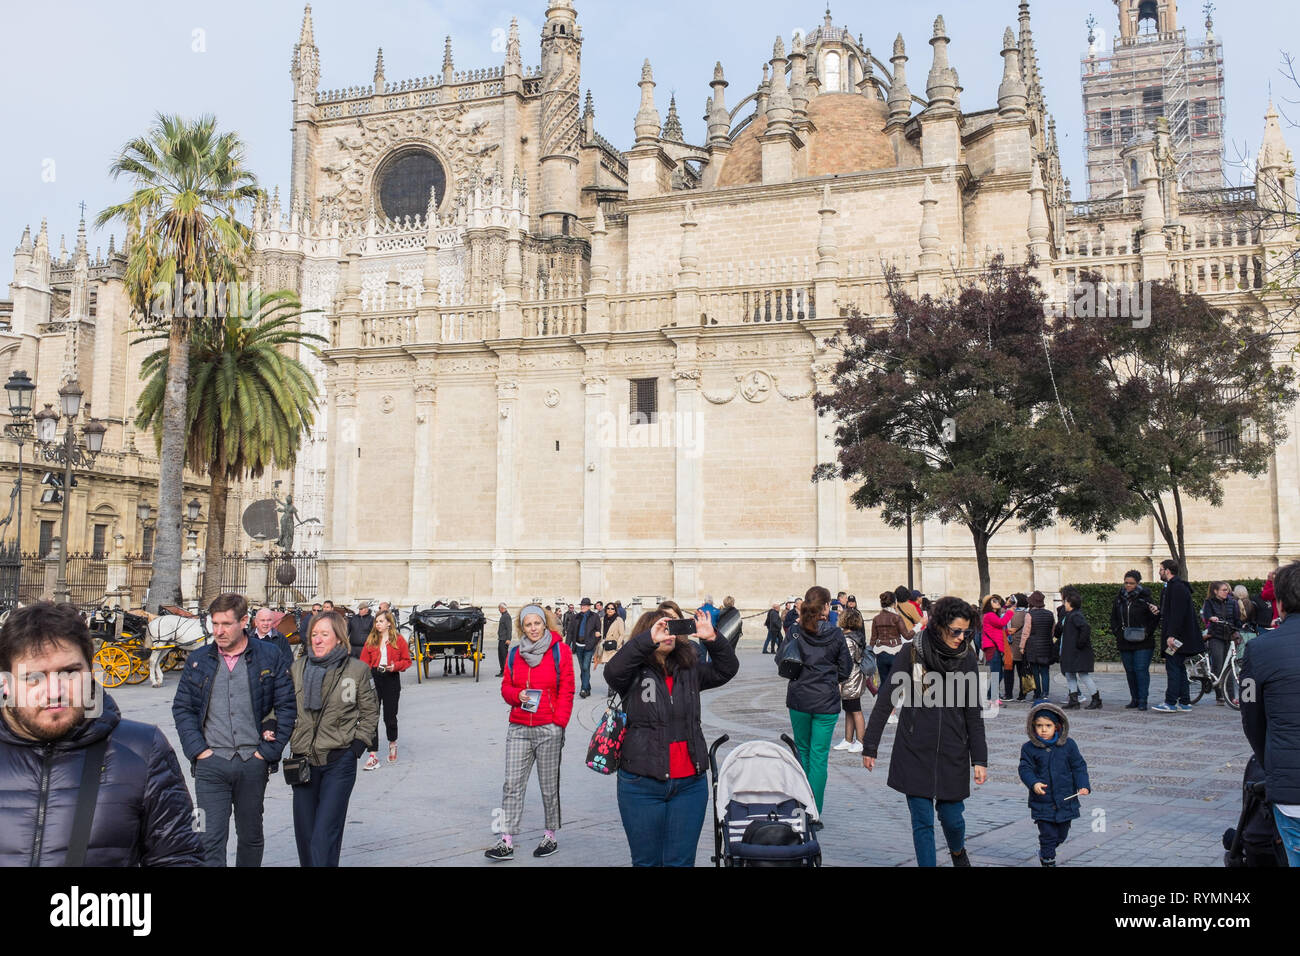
(81, 78)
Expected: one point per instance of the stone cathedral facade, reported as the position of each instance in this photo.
(558, 367)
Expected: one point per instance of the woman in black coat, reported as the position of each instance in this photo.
(1077, 658)
(1038, 645)
(1134, 625)
(1222, 617)
(813, 698)
(662, 788)
(935, 682)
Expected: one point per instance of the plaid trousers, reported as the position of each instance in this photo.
(543, 744)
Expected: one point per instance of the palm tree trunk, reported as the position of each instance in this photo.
(165, 582)
(216, 543)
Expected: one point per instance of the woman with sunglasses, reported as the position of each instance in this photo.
(940, 732)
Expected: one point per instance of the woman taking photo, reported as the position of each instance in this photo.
(940, 730)
(1134, 626)
(1222, 616)
(338, 716)
(995, 620)
(538, 685)
(663, 792)
(813, 698)
(611, 636)
(387, 655)
(853, 689)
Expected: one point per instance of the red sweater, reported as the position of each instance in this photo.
(399, 657)
(556, 705)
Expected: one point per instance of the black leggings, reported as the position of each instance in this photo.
(388, 685)
(1218, 653)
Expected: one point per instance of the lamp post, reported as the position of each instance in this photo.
(20, 429)
(68, 453)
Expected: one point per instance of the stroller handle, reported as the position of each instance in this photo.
(785, 738)
(713, 754)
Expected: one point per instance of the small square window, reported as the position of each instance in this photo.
(643, 401)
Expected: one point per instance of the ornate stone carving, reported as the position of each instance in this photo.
(381, 370)
(756, 387)
(462, 144)
(552, 397)
(686, 375)
(792, 396)
(591, 379)
(717, 398)
(388, 404)
(641, 356)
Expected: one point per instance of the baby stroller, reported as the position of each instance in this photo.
(762, 807)
(1254, 841)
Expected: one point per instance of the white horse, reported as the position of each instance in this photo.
(171, 630)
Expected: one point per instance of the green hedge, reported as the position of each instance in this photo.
(1098, 599)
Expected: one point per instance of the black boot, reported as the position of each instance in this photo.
(1073, 703)
(1046, 862)
(1095, 704)
(960, 858)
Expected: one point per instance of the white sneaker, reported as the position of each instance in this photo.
(842, 745)
(893, 718)
(855, 747)
(372, 762)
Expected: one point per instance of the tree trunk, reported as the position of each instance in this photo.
(982, 560)
(215, 546)
(165, 582)
(1181, 554)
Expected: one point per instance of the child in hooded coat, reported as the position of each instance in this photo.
(1053, 769)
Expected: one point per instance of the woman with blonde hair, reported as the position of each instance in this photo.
(538, 685)
(338, 716)
(387, 655)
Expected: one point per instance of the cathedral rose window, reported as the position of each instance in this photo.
(404, 181)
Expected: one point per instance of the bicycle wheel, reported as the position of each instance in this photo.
(1197, 683)
(1232, 684)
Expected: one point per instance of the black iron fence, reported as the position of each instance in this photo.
(87, 578)
(291, 579)
(234, 575)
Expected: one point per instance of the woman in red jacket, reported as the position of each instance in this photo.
(538, 685)
(386, 654)
(995, 619)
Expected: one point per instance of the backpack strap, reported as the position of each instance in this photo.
(87, 795)
(510, 658)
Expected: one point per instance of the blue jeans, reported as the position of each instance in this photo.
(662, 818)
(1178, 688)
(1137, 668)
(320, 810)
(584, 662)
(1050, 836)
(1043, 678)
(773, 641)
(1288, 828)
(950, 818)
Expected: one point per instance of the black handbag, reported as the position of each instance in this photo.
(610, 645)
(789, 662)
(1135, 635)
(297, 771)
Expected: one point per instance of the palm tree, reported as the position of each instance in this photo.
(182, 226)
(248, 406)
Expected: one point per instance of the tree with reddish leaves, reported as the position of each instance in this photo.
(1175, 403)
(952, 410)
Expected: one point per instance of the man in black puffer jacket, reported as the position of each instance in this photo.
(143, 814)
(1270, 708)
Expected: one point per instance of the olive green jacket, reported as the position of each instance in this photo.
(351, 711)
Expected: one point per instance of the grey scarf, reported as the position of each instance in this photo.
(313, 675)
(534, 651)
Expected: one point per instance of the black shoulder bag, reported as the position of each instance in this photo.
(87, 795)
(789, 663)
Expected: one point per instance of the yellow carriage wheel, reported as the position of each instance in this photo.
(139, 669)
(114, 665)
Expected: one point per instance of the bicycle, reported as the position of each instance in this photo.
(1202, 679)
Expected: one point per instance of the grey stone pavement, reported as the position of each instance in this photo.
(1164, 786)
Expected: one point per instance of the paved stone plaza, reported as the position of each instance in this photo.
(1168, 784)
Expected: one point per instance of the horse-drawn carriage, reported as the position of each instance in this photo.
(121, 656)
(452, 635)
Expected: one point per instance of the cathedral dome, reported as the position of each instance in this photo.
(849, 138)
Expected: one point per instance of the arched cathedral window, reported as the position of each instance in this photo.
(403, 182)
(832, 72)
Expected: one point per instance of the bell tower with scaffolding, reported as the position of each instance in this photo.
(1152, 71)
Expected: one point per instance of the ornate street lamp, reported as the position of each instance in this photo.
(68, 453)
(20, 429)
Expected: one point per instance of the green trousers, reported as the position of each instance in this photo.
(812, 738)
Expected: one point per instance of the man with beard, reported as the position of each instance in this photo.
(84, 787)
